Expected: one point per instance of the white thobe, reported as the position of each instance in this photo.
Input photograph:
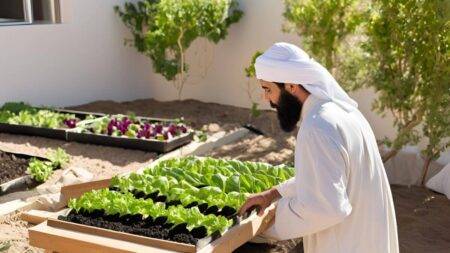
(339, 200)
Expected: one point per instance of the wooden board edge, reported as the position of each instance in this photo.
(147, 241)
(39, 216)
(76, 190)
(40, 238)
(238, 235)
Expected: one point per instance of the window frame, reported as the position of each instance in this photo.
(27, 14)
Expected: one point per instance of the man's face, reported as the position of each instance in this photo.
(287, 105)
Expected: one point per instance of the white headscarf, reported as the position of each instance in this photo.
(287, 63)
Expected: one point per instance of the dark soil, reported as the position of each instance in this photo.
(226, 211)
(133, 225)
(11, 167)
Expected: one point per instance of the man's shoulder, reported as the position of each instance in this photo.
(324, 117)
(325, 120)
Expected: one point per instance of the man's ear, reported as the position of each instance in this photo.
(292, 88)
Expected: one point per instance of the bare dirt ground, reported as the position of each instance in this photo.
(423, 217)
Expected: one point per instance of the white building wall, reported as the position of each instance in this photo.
(84, 59)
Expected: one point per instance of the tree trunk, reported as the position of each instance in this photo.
(426, 166)
(389, 155)
(181, 81)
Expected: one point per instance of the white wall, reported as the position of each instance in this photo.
(79, 61)
(225, 81)
(84, 60)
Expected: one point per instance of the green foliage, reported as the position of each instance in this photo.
(408, 44)
(58, 157)
(200, 136)
(183, 190)
(16, 107)
(20, 113)
(328, 31)
(249, 177)
(250, 72)
(184, 182)
(113, 202)
(255, 111)
(164, 29)
(40, 170)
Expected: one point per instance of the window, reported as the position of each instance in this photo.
(21, 12)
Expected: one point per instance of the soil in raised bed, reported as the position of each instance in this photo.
(12, 167)
(132, 225)
(226, 211)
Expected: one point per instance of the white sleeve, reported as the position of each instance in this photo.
(287, 188)
(320, 198)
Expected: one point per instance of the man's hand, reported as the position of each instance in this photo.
(261, 200)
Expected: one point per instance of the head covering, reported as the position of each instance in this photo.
(287, 63)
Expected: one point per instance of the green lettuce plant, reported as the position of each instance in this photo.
(113, 202)
(40, 170)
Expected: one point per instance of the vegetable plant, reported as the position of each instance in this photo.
(58, 157)
(134, 127)
(180, 190)
(40, 170)
(24, 114)
(183, 193)
(231, 175)
(113, 202)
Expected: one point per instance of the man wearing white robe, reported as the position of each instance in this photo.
(339, 200)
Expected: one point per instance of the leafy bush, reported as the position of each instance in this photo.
(328, 31)
(164, 29)
(408, 44)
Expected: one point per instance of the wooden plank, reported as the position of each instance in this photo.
(61, 231)
(142, 240)
(17, 205)
(76, 190)
(66, 241)
(238, 235)
(39, 216)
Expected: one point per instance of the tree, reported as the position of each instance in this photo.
(408, 47)
(164, 29)
(328, 29)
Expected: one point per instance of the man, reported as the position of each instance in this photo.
(340, 200)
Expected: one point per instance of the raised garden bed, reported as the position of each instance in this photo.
(168, 207)
(42, 122)
(13, 168)
(149, 134)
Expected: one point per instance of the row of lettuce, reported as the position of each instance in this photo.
(129, 126)
(196, 191)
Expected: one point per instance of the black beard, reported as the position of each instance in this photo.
(288, 110)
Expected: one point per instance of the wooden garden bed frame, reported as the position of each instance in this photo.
(66, 237)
